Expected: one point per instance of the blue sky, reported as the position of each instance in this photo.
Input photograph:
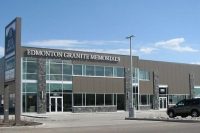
(165, 30)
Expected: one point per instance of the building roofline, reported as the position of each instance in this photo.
(169, 62)
(77, 51)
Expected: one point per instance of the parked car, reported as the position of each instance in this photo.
(184, 108)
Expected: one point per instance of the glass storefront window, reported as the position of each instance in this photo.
(67, 87)
(77, 69)
(67, 78)
(55, 68)
(90, 99)
(29, 87)
(77, 99)
(47, 87)
(99, 99)
(99, 71)
(47, 68)
(196, 92)
(120, 102)
(67, 69)
(55, 61)
(144, 99)
(109, 71)
(90, 70)
(30, 76)
(120, 72)
(55, 87)
(108, 99)
(30, 102)
(29, 59)
(55, 77)
(67, 102)
(144, 75)
(31, 67)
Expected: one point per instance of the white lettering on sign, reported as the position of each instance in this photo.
(72, 55)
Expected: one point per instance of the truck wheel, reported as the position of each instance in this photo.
(194, 113)
(171, 114)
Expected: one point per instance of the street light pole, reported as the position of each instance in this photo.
(130, 91)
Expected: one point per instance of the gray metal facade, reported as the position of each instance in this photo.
(176, 76)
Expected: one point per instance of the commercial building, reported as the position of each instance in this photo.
(55, 80)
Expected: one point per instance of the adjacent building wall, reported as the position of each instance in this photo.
(175, 75)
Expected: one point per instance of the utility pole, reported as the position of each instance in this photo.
(130, 91)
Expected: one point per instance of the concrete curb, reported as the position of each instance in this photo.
(164, 119)
(33, 116)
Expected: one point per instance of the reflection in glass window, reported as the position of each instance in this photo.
(120, 72)
(29, 87)
(144, 75)
(109, 71)
(56, 87)
(67, 69)
(47, 67)
(196, 92)
(31, 67)
(67, 78)
(30, 76)
(90, 70)
(77, 69)
(99, 70)
(55, 68)
(55, 77)
(67, 87)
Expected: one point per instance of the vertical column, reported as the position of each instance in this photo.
(41, 92)
(191, 85)
(6, 104)
(18, 102)
(155, 91)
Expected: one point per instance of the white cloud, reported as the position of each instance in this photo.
(1, 51)
(100, 46)
(72, 43)
(176, 45)
(147, 50)
(197, 63)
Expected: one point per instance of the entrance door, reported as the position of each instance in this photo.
(163, 103)
(56, 104)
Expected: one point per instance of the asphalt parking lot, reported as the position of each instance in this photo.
(102, 122)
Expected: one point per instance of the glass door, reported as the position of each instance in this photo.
(56, 104)
(163, 103)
